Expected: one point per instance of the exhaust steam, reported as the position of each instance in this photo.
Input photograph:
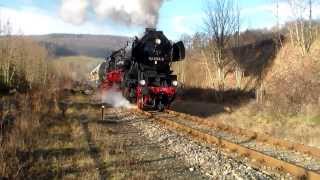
(115, 98)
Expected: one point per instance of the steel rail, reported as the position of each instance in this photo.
(265, 138)
(257, 158)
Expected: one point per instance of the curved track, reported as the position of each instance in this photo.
(300, 161)
(312, 151)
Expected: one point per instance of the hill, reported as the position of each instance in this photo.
(60, 45)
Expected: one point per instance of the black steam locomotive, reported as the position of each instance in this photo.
(144, 75)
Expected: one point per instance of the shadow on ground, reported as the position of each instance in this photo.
(209, 102)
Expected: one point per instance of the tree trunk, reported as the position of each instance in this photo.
(210, 76)
(221, 78)
(239, 76)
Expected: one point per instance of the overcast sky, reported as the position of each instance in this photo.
(176, 17)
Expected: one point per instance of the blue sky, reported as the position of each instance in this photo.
(177, 17)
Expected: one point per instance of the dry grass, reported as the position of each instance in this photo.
(34, 141)
(299, 129)
(23, 67)
(292, 85)
(23, 64)
(76, 68)
(19, 135)
(47, 146)
(108, 153)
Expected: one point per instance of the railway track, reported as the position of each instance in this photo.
(265, 138)
(300, 161)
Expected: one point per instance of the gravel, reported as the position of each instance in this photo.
(291, 156)
(208, 159)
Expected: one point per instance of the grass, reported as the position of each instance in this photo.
(45, 146)
(90, 61)
(24, 67)
(60, 152)
(293, 128)
(315, 119)
(23, 64)
(299, 129)
(76, 68)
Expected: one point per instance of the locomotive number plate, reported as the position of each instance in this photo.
(156, 59)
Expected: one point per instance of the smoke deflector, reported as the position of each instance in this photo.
(178, 52)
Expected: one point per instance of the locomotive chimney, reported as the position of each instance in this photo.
(150, 30)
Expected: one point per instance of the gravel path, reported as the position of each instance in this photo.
(129, 154)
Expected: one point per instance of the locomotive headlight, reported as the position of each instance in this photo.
(174, 83)
(158, 41)
(142, 82)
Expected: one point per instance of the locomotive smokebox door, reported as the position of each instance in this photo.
(178, 51)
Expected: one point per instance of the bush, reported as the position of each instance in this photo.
(293, 82)
(23, 64)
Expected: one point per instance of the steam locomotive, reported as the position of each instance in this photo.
(143, 73)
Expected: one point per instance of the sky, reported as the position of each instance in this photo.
(176, 17)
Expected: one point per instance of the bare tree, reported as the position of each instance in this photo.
(199, 41)
(238, 70)
(302, 32)
(180, 67)
(187, 41)
(278, 28)
(220, 24)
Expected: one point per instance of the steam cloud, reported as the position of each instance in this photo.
(115, 99)
(74, 11)
(127, 12)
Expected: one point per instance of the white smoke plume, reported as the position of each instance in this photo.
(115, 98)
(127, 12)
(74, 11)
